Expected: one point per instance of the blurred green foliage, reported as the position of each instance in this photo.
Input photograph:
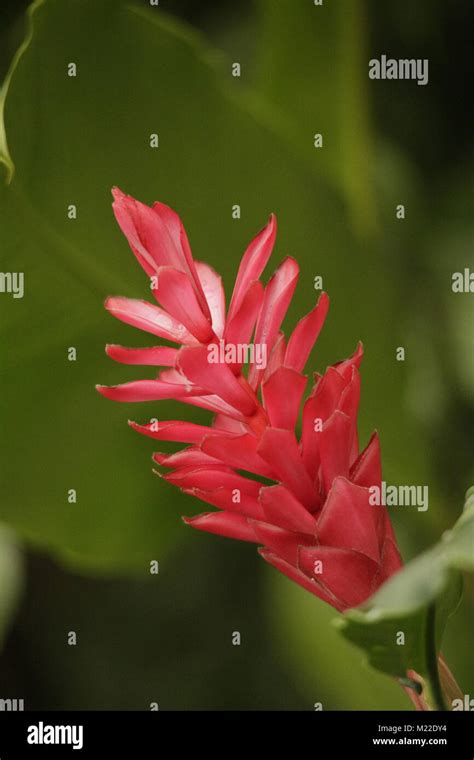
(141, 71)
(312, 67)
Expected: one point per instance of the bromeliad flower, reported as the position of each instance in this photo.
(304, 500)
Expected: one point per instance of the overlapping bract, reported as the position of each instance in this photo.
(306, 502)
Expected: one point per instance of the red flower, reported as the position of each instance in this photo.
(315, 522)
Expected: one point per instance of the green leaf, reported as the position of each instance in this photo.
(5, 157)
(417, 603)
(4, 153)
(71, 139)
(11, 579)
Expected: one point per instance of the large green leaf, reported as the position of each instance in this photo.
(72, 138)
(402, 625)
(11, 579)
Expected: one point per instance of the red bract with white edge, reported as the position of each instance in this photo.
(303, 498)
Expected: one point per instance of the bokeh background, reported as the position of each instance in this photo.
(223, 140)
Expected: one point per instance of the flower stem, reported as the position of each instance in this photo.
(440, 688)
(450, 687)
(432, 658)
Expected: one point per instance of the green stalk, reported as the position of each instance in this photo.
(432, 660)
